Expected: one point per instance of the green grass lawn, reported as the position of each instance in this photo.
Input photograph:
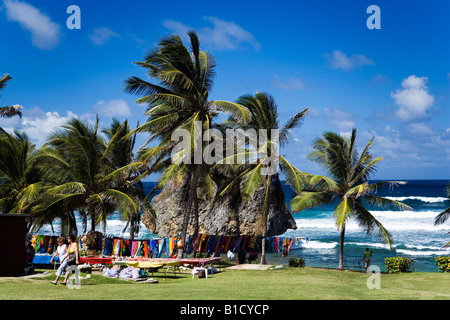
(283, 284)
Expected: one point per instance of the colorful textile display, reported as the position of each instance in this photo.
(209, 245)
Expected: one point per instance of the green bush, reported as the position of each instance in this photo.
(297, 263)
(398, 264)
(443, 263)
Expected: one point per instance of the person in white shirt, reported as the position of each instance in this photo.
(63, 252)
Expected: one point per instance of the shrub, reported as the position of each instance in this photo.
(398, 264)
(443, 263)
(297, 263)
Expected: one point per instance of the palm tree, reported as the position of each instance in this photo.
(349, 182)
(444, 215)
(79, 169)
(18, 171)
(250, 178)
(179, 102)
(9, 111)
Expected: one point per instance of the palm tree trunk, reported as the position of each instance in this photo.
(266, 205)
(196, 227)
(341, 249)
(189, 207)
(94, 218)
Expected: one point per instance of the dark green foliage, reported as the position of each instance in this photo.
(443, 263)
(296, 262)
(398, 264)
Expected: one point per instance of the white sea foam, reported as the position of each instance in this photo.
(312, 244)
(391, 220)
(423, 252)
(423, 199)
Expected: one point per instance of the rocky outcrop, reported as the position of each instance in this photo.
(217, 216)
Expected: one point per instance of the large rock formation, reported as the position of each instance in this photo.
(216, 216)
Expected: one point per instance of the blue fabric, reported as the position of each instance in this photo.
(43, 259)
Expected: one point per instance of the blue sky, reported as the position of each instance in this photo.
(391, 83)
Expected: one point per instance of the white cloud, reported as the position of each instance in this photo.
(344, 121)
(413, 99)
(110, 109)
(176, 27)
(37, 124)
(102, 35)
(223, 35)
(339, 60)
(291, 84)
(45, 34)
(419, 128)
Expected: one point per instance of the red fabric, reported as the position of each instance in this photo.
(95, 260)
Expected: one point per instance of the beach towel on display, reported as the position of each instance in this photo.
(161, 246)
(34, 241)
(171, 240)
(50, 245)
(227, 243)
(236, 245)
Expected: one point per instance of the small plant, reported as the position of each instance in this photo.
(296, 263)
(398, 264)
(443, 263)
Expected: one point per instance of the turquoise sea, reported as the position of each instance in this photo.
(413, 232)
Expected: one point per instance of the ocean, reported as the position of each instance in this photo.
(413, 232)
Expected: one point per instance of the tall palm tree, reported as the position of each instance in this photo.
(179, 101)
(444, 215)
(349, 182)
(9, 111)
(78, 166)
(264, 116)
(18, 170)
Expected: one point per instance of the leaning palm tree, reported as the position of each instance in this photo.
(78, 168)
(180, 101)
(349, 182)
(263, 172)
(9, 111)
(444, 215)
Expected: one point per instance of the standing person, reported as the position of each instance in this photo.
(73, 254)
(241, 256)
(29, 255)
(367, 255)
(63, 252)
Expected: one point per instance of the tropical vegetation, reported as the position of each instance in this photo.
(443, 216)
(8, 111)
(180, 103)
(265, 157)
(95, 173)
(348, 183)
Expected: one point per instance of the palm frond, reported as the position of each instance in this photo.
(11, 111)
(370, 224)
(342, 212)
(442, 217)
(293, 175)
(293, 122)
(306, 200)
(252, 180)
(386, 203)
